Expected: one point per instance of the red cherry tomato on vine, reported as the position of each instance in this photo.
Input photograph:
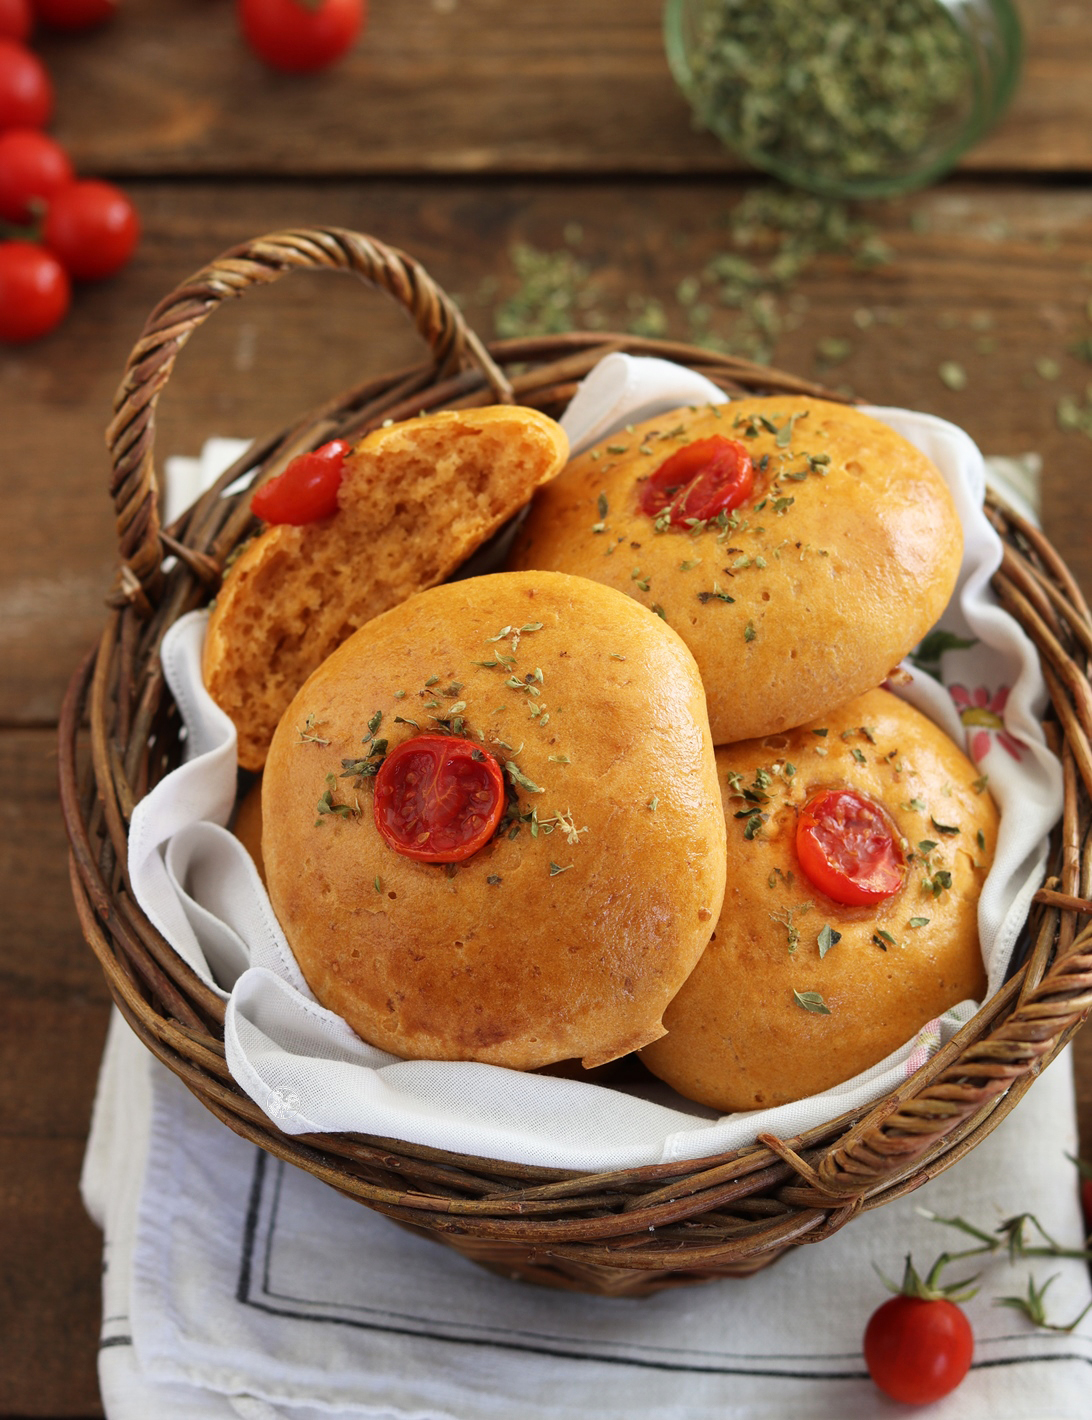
(34, 291)
(917, 1351)
(702, 479)
(438, 799)
(26, 93)
(301, 35)
(16, 19)
(92, 229)
(75, 14)
(33, 169)
(847, 848)
(307, 489)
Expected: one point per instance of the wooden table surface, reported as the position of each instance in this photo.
(456, 129)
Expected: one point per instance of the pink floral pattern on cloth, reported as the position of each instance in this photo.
(925, 1047)
(981, 712)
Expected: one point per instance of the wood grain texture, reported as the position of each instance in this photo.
(464, 86)
(53, 1014)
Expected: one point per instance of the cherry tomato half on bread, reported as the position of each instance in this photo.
(702, 479)
(26, 92)
(438, 799)
(33, 170)
(34, 291)
(92, 228)
(306, 491)
(916, 1350)
(301, 35)
(847, 848)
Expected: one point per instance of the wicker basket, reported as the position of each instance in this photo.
(622, 1233)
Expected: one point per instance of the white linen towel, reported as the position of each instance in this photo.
(236, 1286)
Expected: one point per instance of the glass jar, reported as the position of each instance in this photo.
(848, 98)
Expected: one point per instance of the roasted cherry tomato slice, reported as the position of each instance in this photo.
(917, 1351)
(306, 491)
(847, 848)
(438, 799)
(707, 477)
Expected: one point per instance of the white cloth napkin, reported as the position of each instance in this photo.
(236, 1286)
(311, 1073)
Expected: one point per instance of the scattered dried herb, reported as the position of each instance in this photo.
(927, 656)
(952, 374)
(517, 776)
(812, 1001)
(828, 938)
(307, 732)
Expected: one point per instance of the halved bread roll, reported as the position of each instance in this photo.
(415, 501)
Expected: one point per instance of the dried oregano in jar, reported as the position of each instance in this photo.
(845, 95)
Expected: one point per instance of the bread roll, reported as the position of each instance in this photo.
(807, 592)
(415, 500)
(570, 930)
(247, 826)
(739, 1035)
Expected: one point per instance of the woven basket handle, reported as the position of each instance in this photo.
(131, 435)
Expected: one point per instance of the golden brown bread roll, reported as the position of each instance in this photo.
(247, 826)
(835, 564)
(415, 500)
(739, 1037)
(570, 930)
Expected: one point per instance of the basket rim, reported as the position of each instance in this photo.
(713, 1215)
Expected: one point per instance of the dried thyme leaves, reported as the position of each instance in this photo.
(843, 88)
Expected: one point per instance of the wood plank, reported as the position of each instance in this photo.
(42, 952)
(50, 1266)
(50, 1251)
(53, 1015)
(460, 87)
(1014, 256)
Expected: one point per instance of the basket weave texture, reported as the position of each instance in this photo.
(626, 1232)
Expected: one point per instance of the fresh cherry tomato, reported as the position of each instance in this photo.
(301, 35)
(92, 228)
(917, 1351)
(707, 477)
(34, 291)
(438, 799)
(847, 848)
(33, 169)
(75, 14)
(16, 19)
(26, 93)
(307, 489)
